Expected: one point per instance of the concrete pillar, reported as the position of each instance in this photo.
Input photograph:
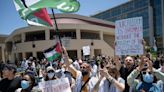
(78, 34)
(24, 55)
(23, 37)
(12, 58)
(79, 53)
(3, 53)
(92, 51)
(47, 34)
(34, 54)
(16, 56)
(101, 35)
(151, 26)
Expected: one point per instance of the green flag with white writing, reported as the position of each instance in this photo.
(26, 7)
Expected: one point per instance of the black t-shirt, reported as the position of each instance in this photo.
(124, 72)
(10, 85)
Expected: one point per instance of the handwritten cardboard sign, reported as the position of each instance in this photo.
(128, 36)
(59, 85)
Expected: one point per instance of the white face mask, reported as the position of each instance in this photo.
(51, 75)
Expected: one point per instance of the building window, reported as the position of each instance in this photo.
(28, 54)
(97, 52)
(40, 55)
(72, 54)
(20, 57)
(85, 34)
(63, 33)
(35, 36)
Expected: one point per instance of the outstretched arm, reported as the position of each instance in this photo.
(68, 63)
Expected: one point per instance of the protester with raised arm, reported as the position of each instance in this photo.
(125, 69)
(84, 81)
(110, 80)
(148, 77)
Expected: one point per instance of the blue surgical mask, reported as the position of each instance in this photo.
(24, 84)
(148, 78)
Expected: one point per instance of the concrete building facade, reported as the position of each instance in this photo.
(76, 31)
(2, 48)
(152, 12)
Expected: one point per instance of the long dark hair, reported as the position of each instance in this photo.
(32, 77)
(113, 69)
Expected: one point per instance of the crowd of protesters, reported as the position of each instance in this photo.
(98, 74)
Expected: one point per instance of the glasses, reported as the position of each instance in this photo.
(144, 72)
(82, 67)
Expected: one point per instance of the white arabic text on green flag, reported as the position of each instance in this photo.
(67, 6)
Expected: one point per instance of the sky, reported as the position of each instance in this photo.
(10, 19)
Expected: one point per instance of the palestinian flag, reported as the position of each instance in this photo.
(39, 18)
(27, 7)
(53, 53)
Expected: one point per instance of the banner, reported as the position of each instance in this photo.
(59, 85)
(129, 36)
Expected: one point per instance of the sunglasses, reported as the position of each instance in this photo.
(144, 72)
(83, 67)
(51, 71)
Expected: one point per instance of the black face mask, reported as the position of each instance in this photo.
(92, 63)
(84, 72)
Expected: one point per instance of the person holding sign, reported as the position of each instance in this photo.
(50, 73)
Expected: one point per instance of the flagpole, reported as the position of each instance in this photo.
(56, 27)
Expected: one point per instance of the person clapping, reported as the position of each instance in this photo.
(110, 80)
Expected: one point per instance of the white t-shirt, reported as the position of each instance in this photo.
(94, 70)
(105, 85)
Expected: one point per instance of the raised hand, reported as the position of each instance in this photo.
(142, 63)
(150, 65)
(104, 73)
